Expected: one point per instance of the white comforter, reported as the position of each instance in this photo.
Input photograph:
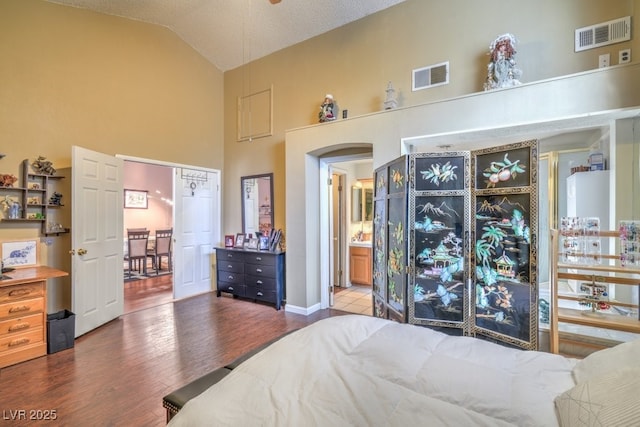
(362, 371)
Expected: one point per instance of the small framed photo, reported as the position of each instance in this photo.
(252, 243)
(264, 243)
(239, 240)
(228, 241)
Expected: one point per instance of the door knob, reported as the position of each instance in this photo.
(82, 251)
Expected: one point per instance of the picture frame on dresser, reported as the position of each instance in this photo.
(252, 243)
(22, 253)
(263, 243)
(228, 241)
(240, 240)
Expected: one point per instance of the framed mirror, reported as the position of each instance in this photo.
(362, 201)
(257, 203)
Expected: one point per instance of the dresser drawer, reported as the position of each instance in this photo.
(266, 283)
(222, 256)
(21, 324)
(260, 259)
(231, 266)
(19, 292)
(15, 341)
(261, 294)
(232, 288)
(21, 308)
(260, 270)
(230, 277)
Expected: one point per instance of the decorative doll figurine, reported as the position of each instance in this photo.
(328, 109)
(502, 70)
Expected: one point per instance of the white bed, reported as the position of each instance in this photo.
(362, 371)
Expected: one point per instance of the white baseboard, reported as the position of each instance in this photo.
(305, 311)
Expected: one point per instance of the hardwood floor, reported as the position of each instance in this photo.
(117, 374)
(146, 293)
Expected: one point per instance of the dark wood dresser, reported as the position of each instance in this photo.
(257, 275)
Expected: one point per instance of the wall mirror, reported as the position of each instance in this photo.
(257, 203)
(362, 201)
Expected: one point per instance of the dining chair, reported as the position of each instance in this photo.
(137, 242)
(162, 248)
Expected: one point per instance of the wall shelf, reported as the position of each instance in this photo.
(34, 193)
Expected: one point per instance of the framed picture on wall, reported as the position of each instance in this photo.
(135, 199)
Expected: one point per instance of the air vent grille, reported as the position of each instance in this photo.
(616, 31)
(433, 75)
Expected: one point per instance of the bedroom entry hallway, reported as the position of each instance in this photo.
(347, 223)
(156, 182)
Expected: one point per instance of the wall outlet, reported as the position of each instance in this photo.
(604, 60)
(624, 56)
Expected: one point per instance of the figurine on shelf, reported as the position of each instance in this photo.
(56, 199)
(390, 102)
(43, 166)
(328, 109)
(7, 180)
(502, 71)
(12, 207)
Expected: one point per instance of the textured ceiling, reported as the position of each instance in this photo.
(230, 33)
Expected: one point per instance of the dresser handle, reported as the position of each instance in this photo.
(19, 309)
(19, 292)
(230, 288)
(19, 342)
(19, 327)
(260, 294)
(229, 266)
(259, 270)
(230, 255)
(259, 282)
(230, 277)
(258, 258)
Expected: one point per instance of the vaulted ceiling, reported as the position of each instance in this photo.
(230, 33)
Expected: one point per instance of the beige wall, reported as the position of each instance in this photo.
(73, 77)
(355, 62)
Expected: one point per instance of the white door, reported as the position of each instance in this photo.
(196, 230)
(97, 294)
(336, 210)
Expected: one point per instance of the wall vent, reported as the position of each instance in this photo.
(433, 75)
(610, 32)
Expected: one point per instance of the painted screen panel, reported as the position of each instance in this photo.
(504, 256)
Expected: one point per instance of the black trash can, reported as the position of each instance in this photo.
(61, 329)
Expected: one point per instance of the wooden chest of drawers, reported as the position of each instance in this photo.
(258, 275)
(23, 303)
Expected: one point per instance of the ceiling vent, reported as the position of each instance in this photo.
(616, 31)
(433, 75)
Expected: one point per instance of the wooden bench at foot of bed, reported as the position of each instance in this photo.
(174, 401)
